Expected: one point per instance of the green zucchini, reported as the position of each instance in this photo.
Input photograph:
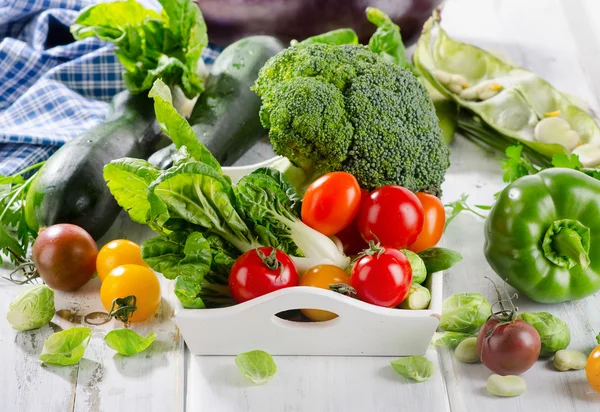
(226, 116)
(70, 187)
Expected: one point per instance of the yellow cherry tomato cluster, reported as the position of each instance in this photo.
(123, 273)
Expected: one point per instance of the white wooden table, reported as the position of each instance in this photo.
(559, 40)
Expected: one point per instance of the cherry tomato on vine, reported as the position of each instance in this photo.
(382, 276)
(321, 276)
(127, 280)
(434, 220)
(592, 369)
(260, 271)
(508, 347)
(391, 215)
(331, 202)
(350, 237)
(116, 253)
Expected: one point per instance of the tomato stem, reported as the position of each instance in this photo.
(374, 248)
(270, 261)
(344, 289)
(122, 309)
(503, 316)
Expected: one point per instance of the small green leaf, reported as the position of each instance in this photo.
(598, 339)
(257, 366)
(516, 164)
(437, 259)
(417, 368)
(127, 342)
(450, 340)
(66, 347)
(336, 37)
(459, 206)
(569, 161)
(387, 40)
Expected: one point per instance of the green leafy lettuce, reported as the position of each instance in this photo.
(66, 347)
(257, 366)
(127, 342)
(204, 222)
(148, 44)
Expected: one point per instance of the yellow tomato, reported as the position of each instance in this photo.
(117, 253)
(592, 369)
(322, 276)
(134, 280)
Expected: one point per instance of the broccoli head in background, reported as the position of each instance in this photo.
(343, 107)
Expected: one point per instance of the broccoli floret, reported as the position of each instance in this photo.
(331, 107)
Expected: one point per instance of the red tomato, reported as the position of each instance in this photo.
(434, 220)
(382, 277)
(350, 236)
(331, 202)
(510, 348)
(261, 271)
(391, 215)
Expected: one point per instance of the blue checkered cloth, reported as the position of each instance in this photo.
(51, 87)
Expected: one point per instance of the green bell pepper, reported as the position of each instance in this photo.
(543, 235)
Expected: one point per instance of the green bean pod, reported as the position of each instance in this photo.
(513, 101)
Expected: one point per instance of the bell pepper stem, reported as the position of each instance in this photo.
(567, 243)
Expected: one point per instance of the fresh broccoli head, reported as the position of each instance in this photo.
(330, 107)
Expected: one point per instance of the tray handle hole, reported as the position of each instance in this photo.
(317, 316)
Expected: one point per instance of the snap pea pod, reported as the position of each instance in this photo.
(514, 102)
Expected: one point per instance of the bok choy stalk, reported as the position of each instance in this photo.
(205, 222)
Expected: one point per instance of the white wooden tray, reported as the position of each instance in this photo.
(361, 329)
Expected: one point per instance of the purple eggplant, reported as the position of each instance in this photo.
(230, 20)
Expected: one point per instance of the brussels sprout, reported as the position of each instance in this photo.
(418, 298)
(464, 312)
(32, 308)
(554, 333)
(419, 271)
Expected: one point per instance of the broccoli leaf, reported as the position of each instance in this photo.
(128, 180)
(148, 44)
(337, 37)
(127, 342)
(178, 128)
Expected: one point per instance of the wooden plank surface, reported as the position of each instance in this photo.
(103, 380)
(547, 37)
(560, 41)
